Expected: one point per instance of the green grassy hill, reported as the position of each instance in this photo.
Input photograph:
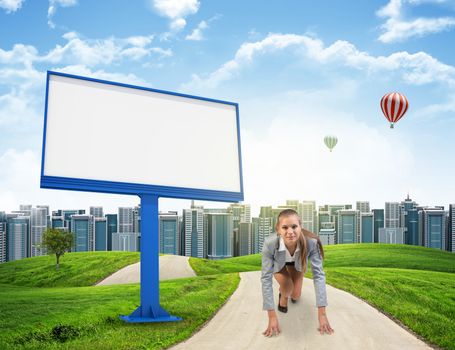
(76, 269)
(45, 308)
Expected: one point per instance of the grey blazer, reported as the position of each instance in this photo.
(273, 260)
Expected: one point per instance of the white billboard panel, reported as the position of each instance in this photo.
(110, 137)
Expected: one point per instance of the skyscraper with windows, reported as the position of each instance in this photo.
(220, 236)
(126, 242)
(265, 229)
(451, 229)
(169, 233)
(409, 220)
(82, 228)
(347, 226)
(432, 227)
(96, 212)
(309, 216)
(125, 219)
(245, 239)
(392, 214)
(2, 242)
(18, 237)
(366, 227)
(111, 228)
(393, 235)
(378, 217)
(193, 222)
(38, 226)
(100, 233)
(362, 207)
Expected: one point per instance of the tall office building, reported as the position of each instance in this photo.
(125, 219)
(126, 241)
(265, 229)
(240, 212)
(67, 214)
(193, 222)
(112, 227)
(137, 220)
(18, 237)
(169, 233)
(38, 223)
(378, 217)
(2, 242)
(265, 212)
(219, 236)
(82, 228)
(451, 229)
(100, 233)
(392, 214)
(255, 236)
(96, 212)
(366, 227)
(409, 220)
(432, 227)
(245, 239)
(57, 222)
(309, 216)
(347, 226)
(26, 209)
(362, 207)
(394, 235)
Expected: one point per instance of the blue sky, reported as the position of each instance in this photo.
(298, 69)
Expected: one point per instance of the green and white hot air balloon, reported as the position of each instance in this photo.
(330, 141)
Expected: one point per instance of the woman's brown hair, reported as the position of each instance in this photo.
(302, 240)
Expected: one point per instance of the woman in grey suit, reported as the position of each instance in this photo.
(285, 256)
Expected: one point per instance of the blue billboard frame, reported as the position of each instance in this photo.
(149, 309)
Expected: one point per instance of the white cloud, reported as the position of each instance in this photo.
(53, 5)
(196, 34)
(88, 52)
(398, 29)
(176, 11)
(419, 68)
(11, 5)
(101, 74)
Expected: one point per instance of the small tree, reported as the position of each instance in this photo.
(57, 242)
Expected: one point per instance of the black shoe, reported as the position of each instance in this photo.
(281, 308)
(294, 300)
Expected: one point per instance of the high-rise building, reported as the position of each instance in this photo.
(57, 222)
(378, 215)
(362, 207)
(67, 214)
(255, 236)
(347, 226)
(125, 219)
(82, 228)
(240, 212)
(26, 209)
(245, 239)
(309, 216)
(96, 212)
(265, 229)
(169, 233)
(451, 229)
(432, 227)
(394, 235)
(125, 241)
(18, 237)
(366, 227)
(111, 228)
(220, 236)
(265, 212)
(392, 214)
(193, 222)
(2, 242)
(100, 233)
(137, 219)
(409, 220)
(38, 223)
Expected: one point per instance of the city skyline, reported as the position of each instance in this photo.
(298, 72)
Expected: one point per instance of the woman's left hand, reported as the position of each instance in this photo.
(324, 325)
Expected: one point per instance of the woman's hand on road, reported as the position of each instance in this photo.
(324, 326)
(273, 327)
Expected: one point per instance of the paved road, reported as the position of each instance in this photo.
(171, 267)
(240, 323)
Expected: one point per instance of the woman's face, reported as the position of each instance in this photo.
(289, 228)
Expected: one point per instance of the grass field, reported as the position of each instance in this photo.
(413, 285)
(47, 309)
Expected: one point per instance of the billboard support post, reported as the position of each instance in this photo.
(150, 309)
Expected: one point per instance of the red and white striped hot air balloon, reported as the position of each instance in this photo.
(394, 105)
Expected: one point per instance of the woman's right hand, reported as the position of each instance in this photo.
(273, 328)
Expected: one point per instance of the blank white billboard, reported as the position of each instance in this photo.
(111, 137)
